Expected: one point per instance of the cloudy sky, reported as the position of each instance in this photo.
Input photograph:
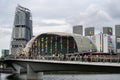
(59, 15)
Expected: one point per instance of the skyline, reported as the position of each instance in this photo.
(59, 16)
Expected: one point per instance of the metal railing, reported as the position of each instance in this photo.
(85, 58)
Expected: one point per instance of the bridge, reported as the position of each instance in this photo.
(42, 65)
(35, 66)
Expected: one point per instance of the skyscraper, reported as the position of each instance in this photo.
(117, 30)
(117, 34)
(104, 43)
(78, 29)
(107, 30)
(89, 31)
(5, 52)
(22, 30)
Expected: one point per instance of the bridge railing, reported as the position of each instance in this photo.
(85, 58)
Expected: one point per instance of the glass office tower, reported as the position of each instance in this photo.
(22, 30)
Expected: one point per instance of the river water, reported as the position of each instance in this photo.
(67, 77)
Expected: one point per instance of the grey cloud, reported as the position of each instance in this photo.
(7, 12)
(74, 11)
(49, 24)
(113, 8)
(58, 9)
(92, 15)
(50, 9)
(5, 31)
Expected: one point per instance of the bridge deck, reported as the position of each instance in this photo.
(39, 65)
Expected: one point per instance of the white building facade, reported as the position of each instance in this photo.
(105, 43)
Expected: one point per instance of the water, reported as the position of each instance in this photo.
(68, 77)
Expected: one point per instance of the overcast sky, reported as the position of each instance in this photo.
(59, 15)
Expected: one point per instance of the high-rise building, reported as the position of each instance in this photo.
(107, 30)
(117, 30)
(5, 52)
(109, 44)
(22, 30)
(117, 34)
(90, 31)
(78, 29)
(105, 43)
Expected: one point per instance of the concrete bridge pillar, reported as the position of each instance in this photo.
(40, 76)
(31, 75)
(17, 69)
